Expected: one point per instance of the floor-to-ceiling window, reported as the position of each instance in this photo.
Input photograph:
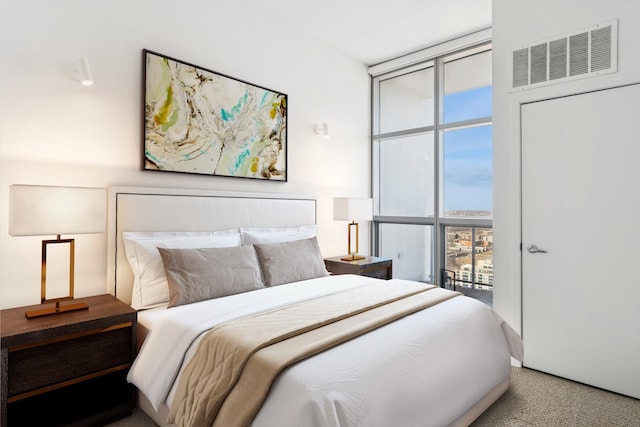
(432, 169)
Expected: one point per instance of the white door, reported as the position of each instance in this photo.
(581, 209)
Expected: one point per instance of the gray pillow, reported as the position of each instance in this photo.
(290, 261)
(199, 274)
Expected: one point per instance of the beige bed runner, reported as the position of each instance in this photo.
(230, 374)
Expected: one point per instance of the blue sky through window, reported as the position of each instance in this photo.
(469, 104)
(468, 153)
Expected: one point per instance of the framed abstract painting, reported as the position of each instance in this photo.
(201, 122)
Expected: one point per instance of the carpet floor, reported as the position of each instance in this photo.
(534, 399)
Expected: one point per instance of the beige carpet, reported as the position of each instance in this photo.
(539, 400)
(533, 400)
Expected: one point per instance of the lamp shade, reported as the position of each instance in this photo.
(352, 209)
(37, 210)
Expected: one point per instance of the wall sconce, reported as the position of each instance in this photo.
(352, 209)
(323, 130)
(82, 72)
(36, 210)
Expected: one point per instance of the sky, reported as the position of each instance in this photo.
(468, 175)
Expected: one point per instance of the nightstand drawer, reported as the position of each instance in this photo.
(42, 364)
(85, 400)
(378, 273)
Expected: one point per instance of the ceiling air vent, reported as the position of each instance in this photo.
(590, 52)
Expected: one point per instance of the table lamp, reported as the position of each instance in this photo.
(352, 209)
(37, 210)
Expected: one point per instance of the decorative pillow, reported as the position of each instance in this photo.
(200, 274)
(290, 261)
(253, 235)
(150, 286)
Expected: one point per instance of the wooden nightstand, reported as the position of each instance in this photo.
(370, 266)
(68, 368)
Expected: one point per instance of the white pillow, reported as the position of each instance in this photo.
(150, 287)
(254, 235)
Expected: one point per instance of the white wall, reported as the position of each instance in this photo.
(54, 131)
(519, 23)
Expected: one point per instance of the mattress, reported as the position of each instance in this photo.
(440, 366)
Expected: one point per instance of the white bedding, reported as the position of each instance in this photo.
(423, 370)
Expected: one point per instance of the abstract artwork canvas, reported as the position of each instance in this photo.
(202, 122)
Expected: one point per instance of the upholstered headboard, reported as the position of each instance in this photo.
(167, 209)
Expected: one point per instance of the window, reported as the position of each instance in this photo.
(469, 254)
(432, 170)
(467, 188)
(412, 246)
(407, 101)
(406, 163)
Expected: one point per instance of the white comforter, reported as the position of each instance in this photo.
(425, 369)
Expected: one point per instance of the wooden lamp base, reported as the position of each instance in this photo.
(57, 309)
(352, 257)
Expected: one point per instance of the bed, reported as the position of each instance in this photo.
(443, 362)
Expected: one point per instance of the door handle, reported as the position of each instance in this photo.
(533, 249)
